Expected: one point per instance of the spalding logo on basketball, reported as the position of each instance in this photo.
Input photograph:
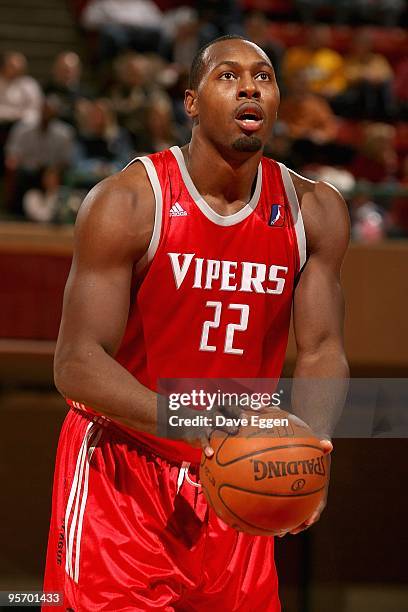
(264, 484)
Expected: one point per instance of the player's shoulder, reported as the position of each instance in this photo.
(324, 210)
(118, 213)
(122, 198)
(318, 198)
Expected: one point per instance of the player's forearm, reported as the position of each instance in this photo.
(94, 378)
(320, 387)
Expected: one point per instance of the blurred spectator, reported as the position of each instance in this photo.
(400, 89)
(34, 146)
(124, 24)
(218, 18)
(65, 84)
(20, 95)
(187, 28)
(102, 147)
(52, 202)
(369, 77)
(323, 67)
(41, 204)
(307, 115)
(161, 128)
(367, 218)
(131, 95)
(181, 40)
(257, 29)
(312, 126)
(377, 160)
(175, 86)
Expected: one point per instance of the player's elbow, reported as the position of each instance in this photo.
(326, 352)
(69, 370)
(63, 376)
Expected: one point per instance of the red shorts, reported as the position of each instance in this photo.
(132, 531)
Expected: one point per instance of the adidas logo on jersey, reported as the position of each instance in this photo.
(177, 211)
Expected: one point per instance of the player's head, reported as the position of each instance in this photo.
(233, 96)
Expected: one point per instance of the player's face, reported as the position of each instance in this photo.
(237, 99)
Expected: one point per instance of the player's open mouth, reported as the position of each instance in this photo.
(249, 117)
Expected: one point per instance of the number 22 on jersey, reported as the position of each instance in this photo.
(230, 330)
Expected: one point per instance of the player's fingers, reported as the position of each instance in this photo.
(308, 523)
(205, 443)
(314, 518)
(301, 527)
(326, 446)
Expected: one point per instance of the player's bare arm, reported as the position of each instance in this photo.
(318, 300)
(112, 233)
(321, 370)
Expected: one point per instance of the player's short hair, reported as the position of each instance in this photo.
(198, 63)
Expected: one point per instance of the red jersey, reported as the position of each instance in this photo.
(212, 297)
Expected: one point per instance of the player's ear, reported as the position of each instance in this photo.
(191, 103)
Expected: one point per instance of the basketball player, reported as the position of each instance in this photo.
(186, 265)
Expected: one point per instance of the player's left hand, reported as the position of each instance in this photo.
(327, 448)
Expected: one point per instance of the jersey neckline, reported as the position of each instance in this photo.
(203, 205)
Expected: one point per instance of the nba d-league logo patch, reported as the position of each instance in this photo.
(277, 218)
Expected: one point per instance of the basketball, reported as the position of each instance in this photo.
(265, 483)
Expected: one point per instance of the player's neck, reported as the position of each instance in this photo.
(226, 180)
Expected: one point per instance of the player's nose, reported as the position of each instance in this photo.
(248, 87)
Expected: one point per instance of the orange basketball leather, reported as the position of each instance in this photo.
(262, 483)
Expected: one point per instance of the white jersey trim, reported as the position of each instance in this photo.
(158, 214)
(296, 214)
(205, 207)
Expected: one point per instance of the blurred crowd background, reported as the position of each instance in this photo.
(87, 109)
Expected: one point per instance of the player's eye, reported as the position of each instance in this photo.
(227, 76)
(263, 76)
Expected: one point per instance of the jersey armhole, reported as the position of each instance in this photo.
(158, 213)
(296, 214)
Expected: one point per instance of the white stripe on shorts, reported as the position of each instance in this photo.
(79, 488)
(83, 504)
